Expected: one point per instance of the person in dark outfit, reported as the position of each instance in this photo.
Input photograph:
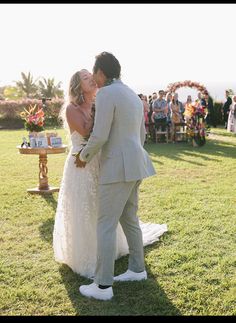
(210, 119)
(225, 108)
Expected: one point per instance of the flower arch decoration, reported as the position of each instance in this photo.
(172, 87)
(194, 112)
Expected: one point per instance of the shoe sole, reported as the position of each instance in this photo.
(83, 292)
(125, 280)
(100, 299)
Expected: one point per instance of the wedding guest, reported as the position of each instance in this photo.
(181, 106)
(159, 111)
(188, 103)
(175, 106)
(198, 101)
(153, 98)
(168, 110)
(231, 125)
(150, 119)
(176, 116)
(189, 100)
(210, 120)
(226, 106)
(145, 111)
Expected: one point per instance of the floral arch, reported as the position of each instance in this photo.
(172, 87)
(195, 113)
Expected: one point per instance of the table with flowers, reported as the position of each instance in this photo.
(43, 186)
(34, 123)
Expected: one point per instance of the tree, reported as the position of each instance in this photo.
(27, 85)
(48, 89)
(13, 93)
(2, 88)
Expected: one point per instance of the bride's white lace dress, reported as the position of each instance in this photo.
(74, 235)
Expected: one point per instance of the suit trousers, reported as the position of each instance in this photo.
(117, 202)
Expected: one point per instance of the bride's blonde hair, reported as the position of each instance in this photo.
(75, 96)
(75, 90)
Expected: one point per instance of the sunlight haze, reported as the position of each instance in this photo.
(156, 44)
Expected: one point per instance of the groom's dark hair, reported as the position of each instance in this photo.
(107, 63)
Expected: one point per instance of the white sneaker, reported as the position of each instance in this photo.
(94, 291)
(131, 275)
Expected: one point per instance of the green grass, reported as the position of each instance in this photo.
(191, 269)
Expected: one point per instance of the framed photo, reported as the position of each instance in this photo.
(33, 143)
(56, 141)
(42, 142)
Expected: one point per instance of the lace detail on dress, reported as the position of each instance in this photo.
(74, 239)
(74, 235)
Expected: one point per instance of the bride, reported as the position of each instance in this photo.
(74, 235)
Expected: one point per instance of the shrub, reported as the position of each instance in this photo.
(217, 114)
(11, 109)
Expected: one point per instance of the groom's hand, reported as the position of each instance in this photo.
(78, 162)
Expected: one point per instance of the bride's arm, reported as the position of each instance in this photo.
(76, 121)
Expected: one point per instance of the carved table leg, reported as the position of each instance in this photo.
(43, 186)
(43, 171)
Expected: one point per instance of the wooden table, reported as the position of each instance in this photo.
(43, 186)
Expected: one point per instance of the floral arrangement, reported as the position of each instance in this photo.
(34, 118)
(195, 118)
(172, 87)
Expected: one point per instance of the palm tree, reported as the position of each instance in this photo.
(27, 85)
(48, 89)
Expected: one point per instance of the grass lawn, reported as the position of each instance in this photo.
(191, 270)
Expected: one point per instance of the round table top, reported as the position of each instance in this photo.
(42, 151)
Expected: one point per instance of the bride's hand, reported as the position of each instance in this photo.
(78, 162)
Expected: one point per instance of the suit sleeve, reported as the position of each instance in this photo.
(102, 125)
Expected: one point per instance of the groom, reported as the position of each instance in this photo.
(120, 133)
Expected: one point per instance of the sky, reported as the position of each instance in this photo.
(156, 44)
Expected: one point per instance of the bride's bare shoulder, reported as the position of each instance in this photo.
(72, 109)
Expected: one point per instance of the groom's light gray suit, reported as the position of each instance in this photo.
(120, 133)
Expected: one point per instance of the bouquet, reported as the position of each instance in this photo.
(34, 118)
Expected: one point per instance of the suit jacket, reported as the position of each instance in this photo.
(227, 104)
(119, 132)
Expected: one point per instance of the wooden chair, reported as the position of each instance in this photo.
(159, 134)
(179, 131)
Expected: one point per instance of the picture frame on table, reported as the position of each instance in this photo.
(56, 141)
